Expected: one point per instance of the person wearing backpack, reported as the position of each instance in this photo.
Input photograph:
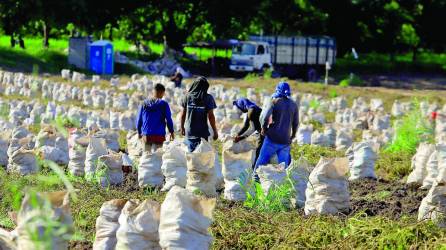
(198, 109)
(153, 117)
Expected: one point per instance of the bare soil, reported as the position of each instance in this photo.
(385, 198)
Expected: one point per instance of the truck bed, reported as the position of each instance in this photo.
(300, 50)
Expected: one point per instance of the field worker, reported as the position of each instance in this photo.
(251, 123)
(198, 108)
(279, 126)
(153, 117)
(177, 78)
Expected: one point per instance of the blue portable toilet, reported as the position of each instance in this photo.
(101, 57)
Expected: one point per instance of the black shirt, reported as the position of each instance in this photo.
(196, 124)
(254, 117)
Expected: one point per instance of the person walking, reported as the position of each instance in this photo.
(153, 117)
(251, 123)
(279, 123)
(177, 78)
(198, 108)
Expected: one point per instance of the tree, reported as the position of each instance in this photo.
(409, 37)
(14, 14)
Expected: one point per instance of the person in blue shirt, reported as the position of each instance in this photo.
(153, 117)
(279, 126)
(198, 108)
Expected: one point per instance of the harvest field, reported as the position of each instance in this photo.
(382, 213)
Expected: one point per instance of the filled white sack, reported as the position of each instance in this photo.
(185, 219)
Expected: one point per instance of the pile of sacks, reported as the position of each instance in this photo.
(433, 206)
(180, 222)
(237, 168)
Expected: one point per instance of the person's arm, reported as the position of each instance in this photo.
(183, 115)
(211, 118)
(169, 122)
(245, 126)
(139, 121)
(266, 114)
(183, 120)
(295, 124)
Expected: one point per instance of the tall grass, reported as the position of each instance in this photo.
(410, 130)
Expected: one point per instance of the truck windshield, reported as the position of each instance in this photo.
(244, 49)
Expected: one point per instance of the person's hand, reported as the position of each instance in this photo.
(215, 135)
(172, 137)
(263, 132)
(237, 139)
(183, 131)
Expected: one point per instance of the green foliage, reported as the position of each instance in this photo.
(122, 140)
(408, 35)
(352, 80)
(315, 104)
(277, 199)
(250, 77)
(63, 122)
(333, 93)
(268, 73)
(410, 130)
(4, 111)
(313, 153)
(394, 165)
(35, 70)
(317, 126)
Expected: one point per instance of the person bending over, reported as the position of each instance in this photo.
(251, 123)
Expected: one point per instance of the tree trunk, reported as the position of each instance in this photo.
(392, 56)
(46, 31)
(21, 42)
(110, 33)
(12, 41)
(174, 36)
(414, 54)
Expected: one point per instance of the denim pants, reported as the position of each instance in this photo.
(269, 148)
(192, 143)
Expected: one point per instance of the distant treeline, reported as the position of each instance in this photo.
(386, 26)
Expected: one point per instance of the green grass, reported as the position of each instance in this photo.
(380, 63)
(412, 129)
(52, 60)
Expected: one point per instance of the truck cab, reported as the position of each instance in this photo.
(249, 56)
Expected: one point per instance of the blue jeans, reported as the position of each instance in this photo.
(269, 148)
(192, 143)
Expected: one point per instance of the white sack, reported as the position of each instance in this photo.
(327, 191)
(185, 219)
(201, 169)
(149, 169)
(107, 224)
(138, 226)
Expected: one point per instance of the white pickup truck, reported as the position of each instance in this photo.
(291, 56)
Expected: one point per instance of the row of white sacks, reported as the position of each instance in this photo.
(180, 222)
(94, 156)
(63, 92)
(354, 118)
(143, 84)
(429, 173)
